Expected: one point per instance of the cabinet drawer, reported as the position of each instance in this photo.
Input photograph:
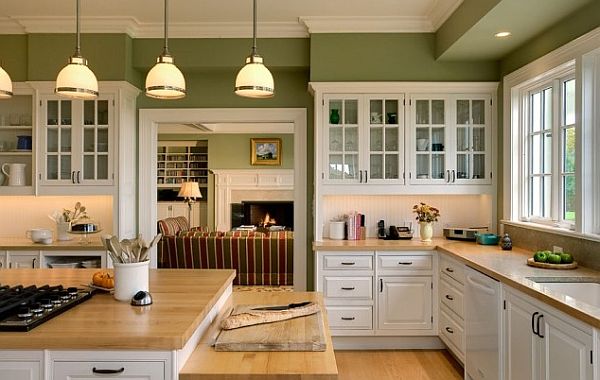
(350, 317)
(452, 295)
(452, 331)
(347, 262)
(404, 262)
(452, 268)
(348, 287)
(63, 370)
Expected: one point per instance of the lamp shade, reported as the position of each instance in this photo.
(6, 88)
(165, 80)
(76, 80)
(189, 190)
(254, 80)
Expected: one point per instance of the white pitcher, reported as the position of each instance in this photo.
(15, 174)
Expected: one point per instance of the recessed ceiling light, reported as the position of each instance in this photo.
(502, 34)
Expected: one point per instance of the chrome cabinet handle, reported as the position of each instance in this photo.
(348, 263)
(108, 371)
(449, 330)
(449, 297)
(352, 288)
(348, 318)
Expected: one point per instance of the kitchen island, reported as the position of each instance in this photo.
(103, 334)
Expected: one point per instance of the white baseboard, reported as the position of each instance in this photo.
(387, 343)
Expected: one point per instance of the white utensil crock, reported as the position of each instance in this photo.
(130, 279)
(15, 174)
(336, 230)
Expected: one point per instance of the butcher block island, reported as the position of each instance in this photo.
(102, 338)
(105, 338)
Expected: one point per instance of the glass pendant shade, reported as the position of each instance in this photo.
(76, 80)
(165, 80)
(6, 88)
(254, 80)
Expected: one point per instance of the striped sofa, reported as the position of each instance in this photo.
(259, 259)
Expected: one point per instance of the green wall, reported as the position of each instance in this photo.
(388, 57)
(13, 58)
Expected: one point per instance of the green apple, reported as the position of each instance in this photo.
(540, 257)
(554, 258)
(566, 258)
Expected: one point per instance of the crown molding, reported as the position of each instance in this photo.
(136, 29)
(367, 24)
(440, 11)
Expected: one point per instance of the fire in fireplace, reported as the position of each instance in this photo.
(263, 214)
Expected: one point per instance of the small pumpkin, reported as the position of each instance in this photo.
(103, 279)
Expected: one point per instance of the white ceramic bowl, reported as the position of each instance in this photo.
(37, 234)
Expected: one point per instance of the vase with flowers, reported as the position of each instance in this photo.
(426, 215)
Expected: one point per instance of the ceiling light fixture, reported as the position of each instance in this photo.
(6, 88)
(165, 80)
(502, 34)
(254, 80)
(76, 80)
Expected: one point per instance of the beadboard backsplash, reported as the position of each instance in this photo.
(455, 210)
(21, 213)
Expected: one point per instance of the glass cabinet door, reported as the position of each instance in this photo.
(58, 124)
(471, 139)
(96, 124)
(342, 134)
(385, 140)
(429, 134)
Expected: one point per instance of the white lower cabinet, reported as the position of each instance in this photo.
(101, 370)
(543, 343)
(405, 303)
(23, 259)
(451, 294)
(21, 365)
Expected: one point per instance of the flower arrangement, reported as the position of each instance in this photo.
(426, 213)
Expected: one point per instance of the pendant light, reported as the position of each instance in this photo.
(6, 88)
(76, 80)
(254, 80)
(165, 80)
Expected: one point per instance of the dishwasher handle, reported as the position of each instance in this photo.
(483, 287)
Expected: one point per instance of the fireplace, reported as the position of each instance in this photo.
(263, 214)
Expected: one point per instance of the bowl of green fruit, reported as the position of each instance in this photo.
(552, 260)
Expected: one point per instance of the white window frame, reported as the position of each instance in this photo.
(582, 54)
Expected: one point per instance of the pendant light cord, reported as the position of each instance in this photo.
(78, 42)
(254, 29)
(166, 47)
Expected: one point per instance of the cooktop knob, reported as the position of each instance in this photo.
(46, 303)
(72, 291)
(37, 308)
(55, 299)
(24, 312)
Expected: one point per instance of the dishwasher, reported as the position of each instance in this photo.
(483, 323)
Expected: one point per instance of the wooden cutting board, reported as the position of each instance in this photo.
(297, 334)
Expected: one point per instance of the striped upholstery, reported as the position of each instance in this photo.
(258, 260)
(173, 226)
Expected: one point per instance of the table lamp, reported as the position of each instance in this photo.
(189, 191)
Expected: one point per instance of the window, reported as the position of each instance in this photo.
(549, 145)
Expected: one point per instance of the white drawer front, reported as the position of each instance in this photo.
(452, 331)
(405, 262)
(348, 287)
(452, 268)
(347, 262)
(63, 370)
(350, 317)
(452, 296)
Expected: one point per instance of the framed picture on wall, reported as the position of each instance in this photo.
(265, 151)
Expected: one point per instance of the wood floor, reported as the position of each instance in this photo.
(397, 365)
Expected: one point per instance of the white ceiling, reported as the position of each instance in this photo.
(225, 18)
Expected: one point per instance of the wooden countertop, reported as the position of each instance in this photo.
(206, 363)
(23, 244)
(182, 298)
(508, 267)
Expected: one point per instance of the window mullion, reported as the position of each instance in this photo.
(556, 151)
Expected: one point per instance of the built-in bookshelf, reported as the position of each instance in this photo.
(182, 161)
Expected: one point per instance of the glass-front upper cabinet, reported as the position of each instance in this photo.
(429, 121)
(342, 136)
(473, 139)
(385, 139)
(76, 136)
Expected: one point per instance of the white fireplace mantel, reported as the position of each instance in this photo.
(254, 181)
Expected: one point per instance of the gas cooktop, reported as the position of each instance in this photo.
(24, 307)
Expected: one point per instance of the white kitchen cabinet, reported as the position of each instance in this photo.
(23, 259)
(21, 365)
(405, 303)
(364, 139)
(106, 370)
(198, 214)
(3, 263)
(85, 259)
(451, 296)
(543, 343)
(450, 139)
